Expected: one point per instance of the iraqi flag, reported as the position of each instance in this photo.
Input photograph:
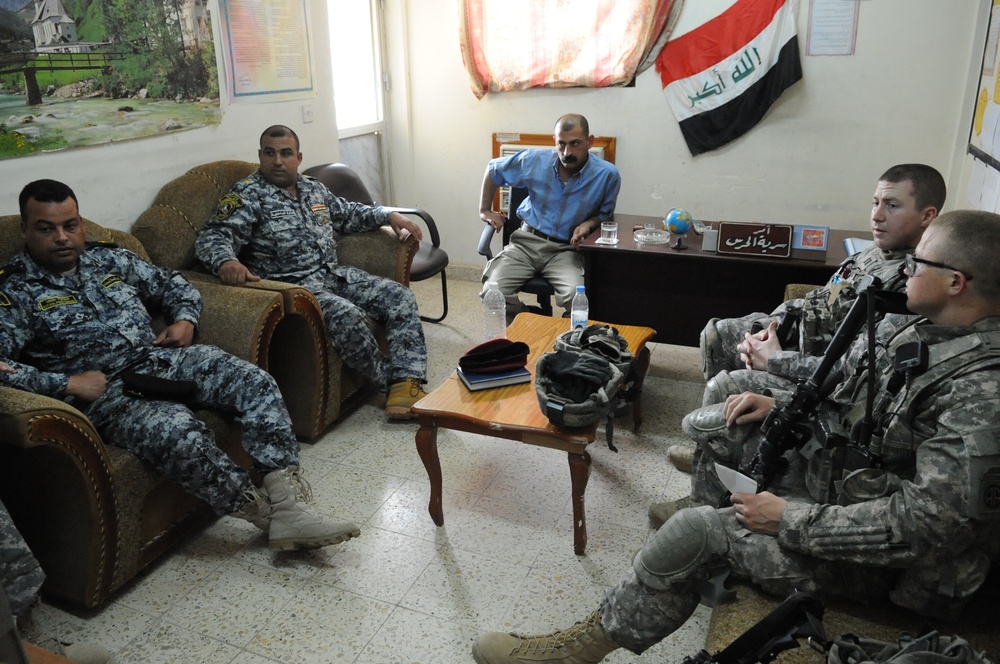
(722, 77)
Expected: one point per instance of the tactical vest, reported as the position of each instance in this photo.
(822, 313)
(830, 477)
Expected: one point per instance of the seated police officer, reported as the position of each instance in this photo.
(910, 525)
(74, 321)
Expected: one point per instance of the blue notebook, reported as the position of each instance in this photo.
(485, 381)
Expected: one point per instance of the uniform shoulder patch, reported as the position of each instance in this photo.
(228, 205)
(7, 271)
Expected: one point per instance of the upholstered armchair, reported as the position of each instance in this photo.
(93, 514)
(316, 385)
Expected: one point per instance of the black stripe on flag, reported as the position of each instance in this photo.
(716, 127)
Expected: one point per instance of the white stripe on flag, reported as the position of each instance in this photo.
(729, 78)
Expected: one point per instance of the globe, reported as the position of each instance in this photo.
(678, 221)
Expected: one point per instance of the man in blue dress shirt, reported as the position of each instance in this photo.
(570, 192)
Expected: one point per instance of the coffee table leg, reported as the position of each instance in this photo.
(579, 473)
(428, 451)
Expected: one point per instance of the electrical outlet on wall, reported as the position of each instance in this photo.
(307, 113)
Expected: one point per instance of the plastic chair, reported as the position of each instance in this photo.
(537, 285)
(429, 259)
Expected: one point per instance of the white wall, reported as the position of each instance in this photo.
(813, 159)
(116, 182)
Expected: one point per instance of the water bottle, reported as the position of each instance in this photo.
(580, 310)
(494, 312)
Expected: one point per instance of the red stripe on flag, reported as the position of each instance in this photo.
(715, 40)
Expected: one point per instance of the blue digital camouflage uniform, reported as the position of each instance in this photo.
(279, 237)
(820, 312)
(920, 532)
(57, 326)
(20, 573)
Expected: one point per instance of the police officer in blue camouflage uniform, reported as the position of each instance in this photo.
(75, 320)
(906, 199)
(920, 529)
(277, 224)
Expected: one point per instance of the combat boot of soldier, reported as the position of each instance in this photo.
(257, 509)
(583, 643)
(293, 526)
(402, 395)
(682, 457)
(660, 513)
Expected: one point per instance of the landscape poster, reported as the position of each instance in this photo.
(86, 72)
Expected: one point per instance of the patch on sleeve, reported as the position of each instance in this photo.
(4, 300)
(229, 204)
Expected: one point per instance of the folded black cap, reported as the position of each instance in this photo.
(495, 356)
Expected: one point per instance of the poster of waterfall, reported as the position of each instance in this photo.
(75, 73)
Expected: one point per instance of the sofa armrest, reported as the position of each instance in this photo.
(379, 252)
(240, 321)
(795, 291)
(56, 479)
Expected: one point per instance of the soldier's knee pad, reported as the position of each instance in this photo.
(719, 386)
(681, 548)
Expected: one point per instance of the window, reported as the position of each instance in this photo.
(357, 74)
(520, 44)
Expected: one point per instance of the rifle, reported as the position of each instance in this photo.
(800, 615)
(784, 427)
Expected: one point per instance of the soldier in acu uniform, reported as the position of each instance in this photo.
(75, 323)
(277, 224)
(920, 528)
(907, 197)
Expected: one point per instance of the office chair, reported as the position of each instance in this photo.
(430, 258)
(537, 285)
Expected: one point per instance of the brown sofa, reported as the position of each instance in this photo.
(316, 385)
(94, 514)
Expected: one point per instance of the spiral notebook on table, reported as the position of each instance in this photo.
(485, 381)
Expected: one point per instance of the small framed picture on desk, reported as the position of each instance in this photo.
(810, 242)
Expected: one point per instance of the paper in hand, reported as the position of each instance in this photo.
(735, 481)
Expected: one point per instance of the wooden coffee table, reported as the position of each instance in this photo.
(512, 412)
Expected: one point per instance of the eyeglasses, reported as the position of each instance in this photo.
(911, 261)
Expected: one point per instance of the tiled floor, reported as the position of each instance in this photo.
(407, 591)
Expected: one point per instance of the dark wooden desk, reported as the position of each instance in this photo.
(677, 292)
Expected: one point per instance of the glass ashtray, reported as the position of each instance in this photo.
(651, 236)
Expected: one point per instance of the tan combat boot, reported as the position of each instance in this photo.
(293, 526)
(660, 513)
(583, 643)
(682, 457)
(257, 510)
(402, 396)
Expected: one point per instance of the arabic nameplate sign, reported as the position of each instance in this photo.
(774, 240)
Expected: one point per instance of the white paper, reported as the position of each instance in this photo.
(833, 26)
(735, 481)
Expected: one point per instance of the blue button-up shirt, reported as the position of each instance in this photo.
(555, 207)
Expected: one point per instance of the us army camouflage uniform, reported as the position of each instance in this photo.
(820, 312)
(279, 237)
(786, 369)
(920, 533)
(97, 319)
(19, 571)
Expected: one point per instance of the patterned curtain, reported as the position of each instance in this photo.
(520, 44)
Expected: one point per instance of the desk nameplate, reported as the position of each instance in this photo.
(771, 240)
